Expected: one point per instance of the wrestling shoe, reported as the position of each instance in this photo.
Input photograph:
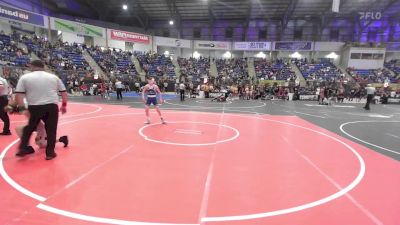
(64, 140)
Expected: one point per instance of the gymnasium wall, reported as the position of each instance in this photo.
(72, 38)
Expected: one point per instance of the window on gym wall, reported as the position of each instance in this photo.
(366, 56)
(355, 56)
(377, 56)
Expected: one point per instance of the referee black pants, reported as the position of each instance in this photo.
(119, 93)
(3, 115)
(49, 115)
(182, 92)
(369, 100)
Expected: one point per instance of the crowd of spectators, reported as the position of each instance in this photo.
(10, 53)
(373, 76)
(323, 70)
(277, 70)
(113, 61)
(67, 61)
(58, 55)
(155, 64)
(193, 68)
(232, 70)
(393, 65)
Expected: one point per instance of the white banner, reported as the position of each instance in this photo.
(252, 46)
(77, 28)
(218, 45)
(172, 42)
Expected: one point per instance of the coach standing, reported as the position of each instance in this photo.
(4, 92)
(41, 92)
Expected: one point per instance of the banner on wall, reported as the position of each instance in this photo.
(328, 46)
(129, 36)
(172, 42)
(23, 16)
(217, 45)
(77, 28)
(293, 46)
(393, 47)
(252, 46)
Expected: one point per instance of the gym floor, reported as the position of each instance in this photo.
(239, 162)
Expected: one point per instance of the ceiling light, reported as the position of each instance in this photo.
(125, 7)
(332, 55)
(227, 55)
(171, 22)
(261, 55)
(196, 55)
(296, 55)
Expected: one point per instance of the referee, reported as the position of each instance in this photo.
(41, 92)
(118, 86)
(182, 88)
(370, 95)
(4, 92)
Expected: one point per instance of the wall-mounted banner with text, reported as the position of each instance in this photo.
(23, 16)
(293, 46)
(172, 42)
(129, 36)
(217, 45)
(252, 46)
(77, 28)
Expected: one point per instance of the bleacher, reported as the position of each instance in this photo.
(118, 62)
(62, 56)
(32, 43)
(156, 65)
(373, 76)
(393, 65)
(277, 70)
(10, 54)
(194, 68)
(322, 70)
(233, 68)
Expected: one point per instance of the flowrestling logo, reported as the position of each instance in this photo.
(370, 15)
(129, 37)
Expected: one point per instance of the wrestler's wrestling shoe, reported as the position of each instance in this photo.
(64, 140)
